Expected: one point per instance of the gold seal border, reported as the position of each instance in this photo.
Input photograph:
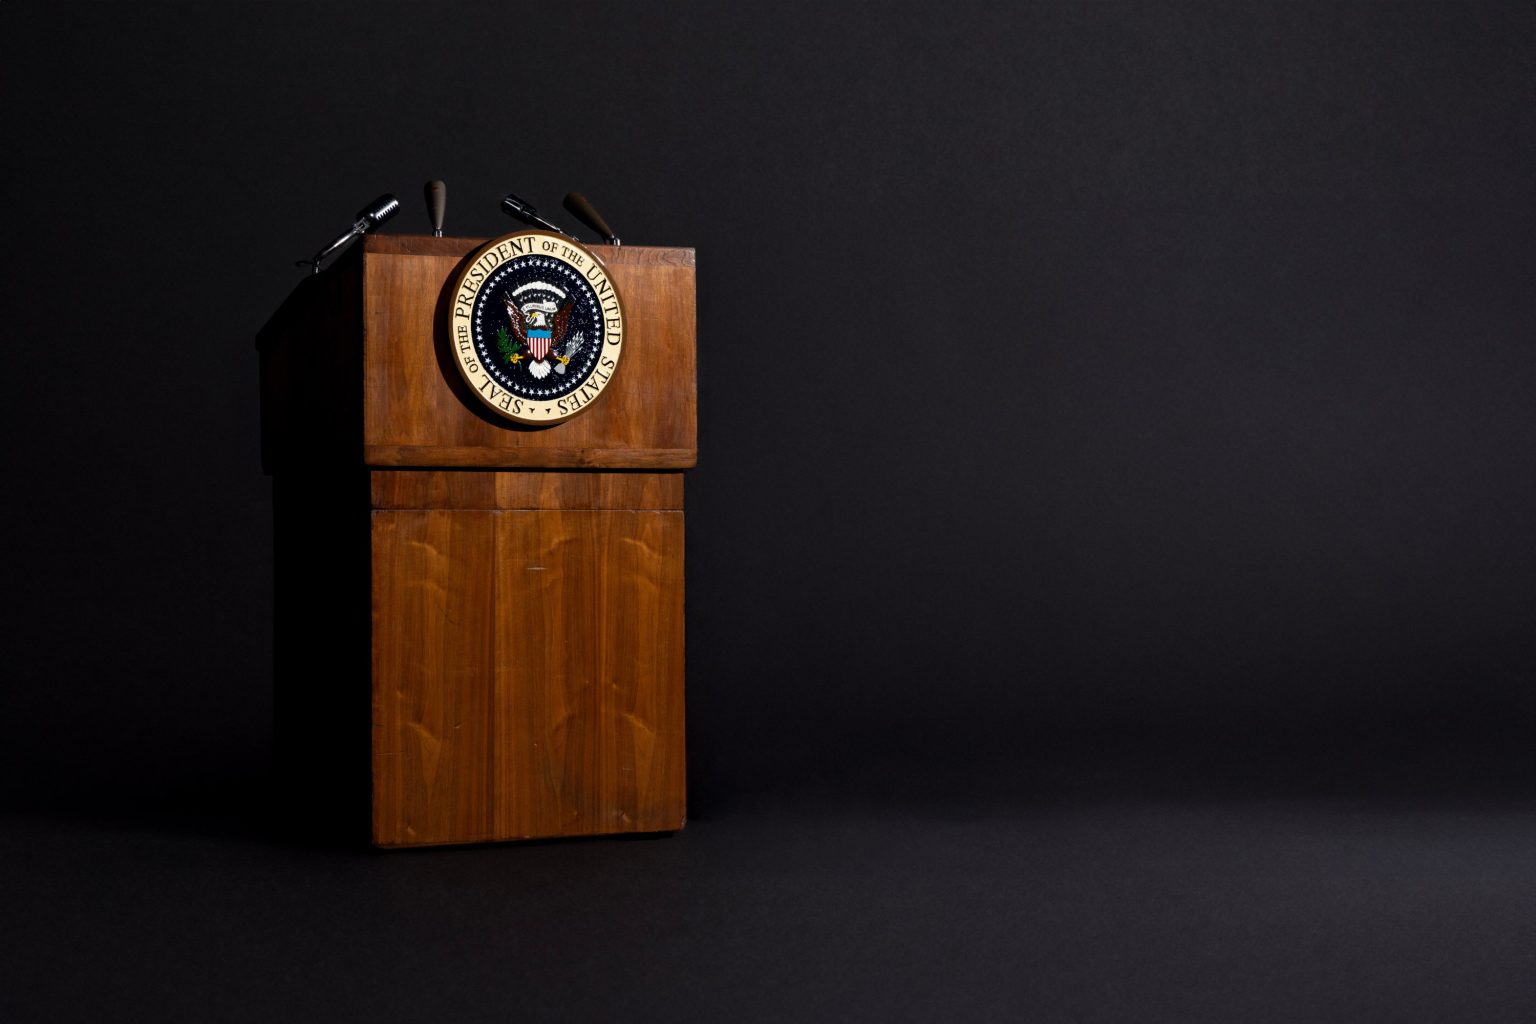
(461, 304)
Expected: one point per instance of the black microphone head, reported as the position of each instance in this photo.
(379, 211)
(516, 207)
(584, 211)
(437, 203)
(524, 211)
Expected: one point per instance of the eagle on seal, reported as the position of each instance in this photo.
(541, 325)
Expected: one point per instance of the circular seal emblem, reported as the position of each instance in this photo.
(537, 327)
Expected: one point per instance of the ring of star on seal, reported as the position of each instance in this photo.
(536, 326)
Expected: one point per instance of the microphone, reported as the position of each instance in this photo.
(366, 220)
(437, 205)
(523, 210)
(585, 212)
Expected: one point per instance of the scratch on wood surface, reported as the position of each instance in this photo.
(431, 748)
(639, 723)
(427, 546)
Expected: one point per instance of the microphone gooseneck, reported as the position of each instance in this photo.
(367, 219)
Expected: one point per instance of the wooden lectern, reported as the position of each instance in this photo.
(508, 600)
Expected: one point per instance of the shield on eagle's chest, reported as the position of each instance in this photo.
(538, 345)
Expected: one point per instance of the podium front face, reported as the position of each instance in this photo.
(520, 606)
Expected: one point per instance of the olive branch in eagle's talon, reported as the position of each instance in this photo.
(508, 346)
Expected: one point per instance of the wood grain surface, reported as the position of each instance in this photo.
(419, 411)
(450, 488)
(588, 724)
(528, 674)
(433, 667)
(547, 456)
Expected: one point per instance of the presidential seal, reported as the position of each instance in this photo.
(536, 326)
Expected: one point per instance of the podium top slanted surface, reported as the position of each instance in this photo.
(416, 407)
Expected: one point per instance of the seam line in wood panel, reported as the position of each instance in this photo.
(389, 456)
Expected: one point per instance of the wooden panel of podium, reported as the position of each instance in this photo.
(507, 600)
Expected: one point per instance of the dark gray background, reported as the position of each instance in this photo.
(1098, 403)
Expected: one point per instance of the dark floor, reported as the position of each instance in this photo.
(1084, 910)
